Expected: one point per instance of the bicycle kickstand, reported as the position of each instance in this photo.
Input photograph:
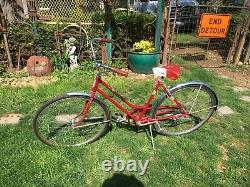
(151, 136)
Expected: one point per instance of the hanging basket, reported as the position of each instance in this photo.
(143, 62)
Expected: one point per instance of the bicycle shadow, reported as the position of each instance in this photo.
(121, 180)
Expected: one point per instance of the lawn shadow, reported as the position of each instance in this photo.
(121, 180)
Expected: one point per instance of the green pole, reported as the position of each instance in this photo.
(108, 28)
(160, 10)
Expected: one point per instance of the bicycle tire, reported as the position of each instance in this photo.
(52, 121)
(180, 126)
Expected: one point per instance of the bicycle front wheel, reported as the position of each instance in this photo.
(197, 99)
(53, 122)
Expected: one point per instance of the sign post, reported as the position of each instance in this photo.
(214, 25)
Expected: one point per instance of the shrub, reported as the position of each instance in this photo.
(2, 69)
(127, 28)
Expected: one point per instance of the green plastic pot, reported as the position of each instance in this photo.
(143, 62)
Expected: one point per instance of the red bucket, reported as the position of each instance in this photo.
(173, 71)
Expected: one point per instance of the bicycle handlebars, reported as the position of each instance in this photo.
(115, 70)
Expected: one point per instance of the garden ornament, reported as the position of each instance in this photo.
(71, 50)
(39, 66)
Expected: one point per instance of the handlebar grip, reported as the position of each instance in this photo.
(120, 72)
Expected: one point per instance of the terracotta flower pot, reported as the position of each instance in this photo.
(39, 66)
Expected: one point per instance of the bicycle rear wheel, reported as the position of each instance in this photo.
(197, 99)
(53, 122)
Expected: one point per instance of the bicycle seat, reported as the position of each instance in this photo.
(172, 71)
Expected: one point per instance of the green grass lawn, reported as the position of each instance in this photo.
(189, 38)
(215, 155)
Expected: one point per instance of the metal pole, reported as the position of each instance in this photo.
(160, 10)
(108, 27)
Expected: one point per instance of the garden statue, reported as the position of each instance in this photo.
(71, 50)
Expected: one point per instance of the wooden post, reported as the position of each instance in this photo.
(242, 41)
(25, 9)
(18, 58)
(231, 53)
(4, 31)
(166, 48)
(247, 54)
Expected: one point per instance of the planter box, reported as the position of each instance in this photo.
(143, 62)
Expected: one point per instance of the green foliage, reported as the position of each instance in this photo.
(60, 62)
(127, 28)
(240, 17)
(22, 35)
(188, 38)
(45, 39)
(119, 63)
(85, 67)
(2, 69)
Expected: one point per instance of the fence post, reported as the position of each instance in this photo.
(25, 9)
(160, 10)
(3, 29)
(108, 27)
(231, 53)
(242, 41)
(165, 59)
(248, 54)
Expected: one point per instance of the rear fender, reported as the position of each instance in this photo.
(178, 86)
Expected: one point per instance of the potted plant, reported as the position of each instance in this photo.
(143, 57)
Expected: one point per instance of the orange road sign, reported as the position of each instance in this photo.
(214, 25)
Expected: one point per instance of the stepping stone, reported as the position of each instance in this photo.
(225, 110)
(240, 89)
(225, 77)
(245, 98)
(10, 119)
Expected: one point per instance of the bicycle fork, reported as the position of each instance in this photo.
(85, 111)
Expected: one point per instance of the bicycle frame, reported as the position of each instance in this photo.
(137, 112)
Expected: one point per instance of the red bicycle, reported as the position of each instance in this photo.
(80, 118)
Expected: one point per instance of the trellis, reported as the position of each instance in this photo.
(69, 10)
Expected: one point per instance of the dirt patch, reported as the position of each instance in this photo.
(242, 128)
(164, 141)
(238, 144)
(224, 151)
(122, 150)
(241, 171)
(221, 165)
(214, 62)
(31, 81)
